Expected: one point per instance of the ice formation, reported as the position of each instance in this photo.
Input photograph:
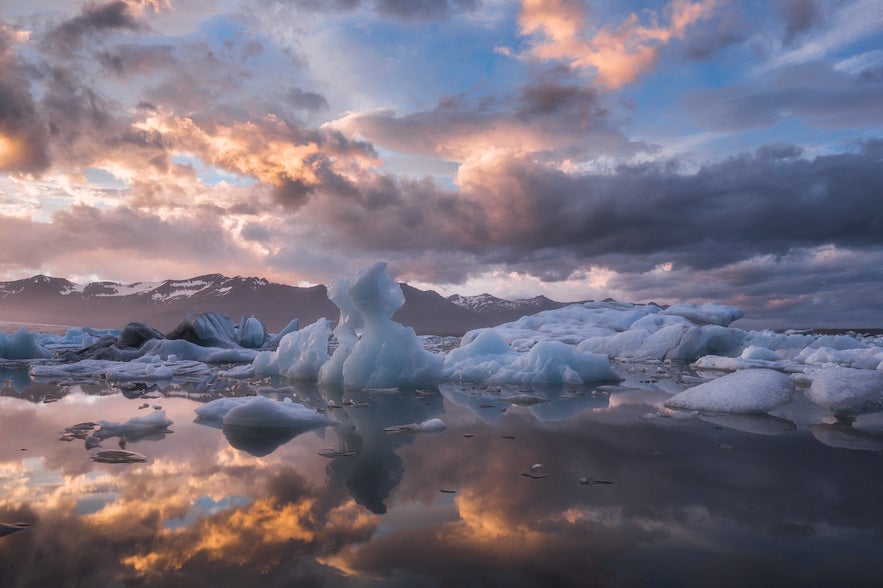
(388, 354)
(260, 411)
(488, 358)
(21, 345)
(299, 356)
(847, 390)
(152, 426)
(746, 391)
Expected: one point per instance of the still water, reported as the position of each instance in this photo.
(591, 487)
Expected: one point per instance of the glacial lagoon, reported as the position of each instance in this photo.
(566, 486)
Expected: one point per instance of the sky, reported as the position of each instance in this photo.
(680, 151)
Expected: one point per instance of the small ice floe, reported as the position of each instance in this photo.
(525, 399)
(331, 453)
(153, 426)
(747, 391)
(118, 456)
(587, 481)
(92, 442)
(847, 391)
(10, 528)
(78, 431)
(535, 472)
(447, 491)
(430, 426)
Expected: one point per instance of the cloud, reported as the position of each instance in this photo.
(403, 10)
(24, 138)
(817, 93)
(549, 115)
(616, 55)
(799, 15)
(93, 20)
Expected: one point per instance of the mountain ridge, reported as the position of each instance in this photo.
(105, 304)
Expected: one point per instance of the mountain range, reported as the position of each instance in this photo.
(46, 300)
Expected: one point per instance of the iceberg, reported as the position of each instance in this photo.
(489, 358)
(746, 391)
(388, 354)
(21, 345)
(847, 391)
(299, 356)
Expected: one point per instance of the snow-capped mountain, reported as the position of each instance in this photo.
(47, 300)
(499, 310)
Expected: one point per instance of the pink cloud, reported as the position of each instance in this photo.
(617, 55)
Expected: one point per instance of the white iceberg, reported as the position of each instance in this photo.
(746, 391)
(847, 390)
(388, 355)
(299, 356)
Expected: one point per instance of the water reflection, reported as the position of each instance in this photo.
(690, 502)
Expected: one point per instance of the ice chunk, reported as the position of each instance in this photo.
(259, 411)
(745, 391)
(847, 390)
(346, 333)
(299, 355)
(289, 328)
(21, 345)
(251, 332)
(388, 355)
(153, 427)
(710, 313)
(488, 358)
(553, 362)
(754, 352)
(207, 329)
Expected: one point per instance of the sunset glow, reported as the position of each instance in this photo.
(680, 150)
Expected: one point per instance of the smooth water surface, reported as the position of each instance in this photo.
(615, 494)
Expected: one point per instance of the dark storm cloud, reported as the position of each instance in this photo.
(94, 19)
(309, 101)
(22, 129)
(815, 93)
(126, 60)
(516, 213)
(799, 16)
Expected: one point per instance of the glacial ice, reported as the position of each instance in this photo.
(745, 391)
(21, 345)
(299, 356)
(388, 354)
(151, 427)
(260, 411)
(847, 391)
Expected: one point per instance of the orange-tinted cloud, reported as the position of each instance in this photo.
(617, 55)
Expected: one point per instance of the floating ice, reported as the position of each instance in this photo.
(251, 332)
(430, 426)
(746, 391)
(388, 355)
(847, 390)
(21, 345)
(488, 358)
(299, 356)
(257, 411)
(152, 426)
(260, 411)
(143, 370)
(207, 329)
